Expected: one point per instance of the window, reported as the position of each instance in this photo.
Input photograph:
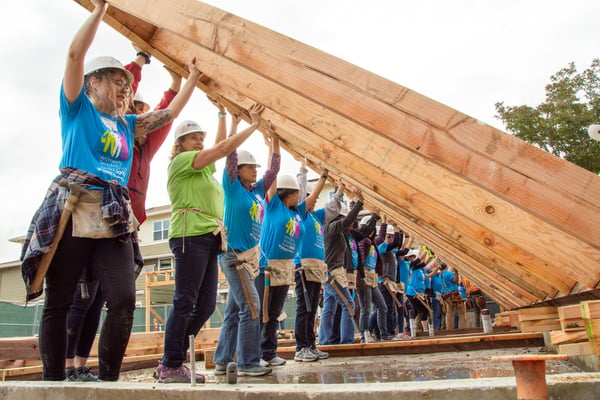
(161, 230)
(165, 264)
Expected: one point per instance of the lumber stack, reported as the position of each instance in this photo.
(572, 339)
(539, 319)
(507, 319)
(499, 209)
(591, 314)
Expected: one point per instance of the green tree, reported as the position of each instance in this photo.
(560, 124)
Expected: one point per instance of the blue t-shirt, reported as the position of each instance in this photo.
(244, 213)
(95, 142)
(416, 283)
(353, 246)
(281, 232)
(436, 283)
(404, 271)
(371, 259)
(447, 284)
(312, 245)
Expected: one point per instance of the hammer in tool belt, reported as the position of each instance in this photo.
(236, 264)
(74, 192)
(392, 293)
(333, 283)
(304, 290)
(265, 302)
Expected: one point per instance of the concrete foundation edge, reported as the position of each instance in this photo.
(563, 386)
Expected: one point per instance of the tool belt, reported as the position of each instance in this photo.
(282, 272)
(87, 217)
(339, 275)
(370, 278)
(351, 279)
(250, 258)
(453, 296)
(314, 270)
(393, 287)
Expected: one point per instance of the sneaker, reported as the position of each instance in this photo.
(84, 374)
(70, 372)
(263, 363)
(181, 374)
(159, 368)
(321, 354)
(305, 355)
(220, 369)
(387, 337)
(276, 361)
(255, 370)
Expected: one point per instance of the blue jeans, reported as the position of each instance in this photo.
(391, 317)
(330, 302)
(83, 320)
(111, 261)
(436, 307)
(305, 320)
(239, 331)
(366, 297)
(276, 300)
(195, 294)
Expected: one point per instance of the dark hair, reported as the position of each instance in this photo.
(443, 265)
(283, 193)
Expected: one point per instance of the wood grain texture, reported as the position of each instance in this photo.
(518, 222)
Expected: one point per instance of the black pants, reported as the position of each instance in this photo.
(111, 261)
(83, 319)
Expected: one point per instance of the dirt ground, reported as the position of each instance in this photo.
(392, 368)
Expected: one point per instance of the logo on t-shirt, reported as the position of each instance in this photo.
(318, 228)
(257, 212)
(292, 228)
(114, 142)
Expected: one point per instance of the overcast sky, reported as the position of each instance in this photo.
(465, 54)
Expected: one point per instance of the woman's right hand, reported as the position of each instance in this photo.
(254, 111)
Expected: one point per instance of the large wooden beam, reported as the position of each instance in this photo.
(519, 222)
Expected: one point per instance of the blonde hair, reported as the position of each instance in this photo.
(177, 148)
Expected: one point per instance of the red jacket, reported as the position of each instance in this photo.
(142, 155)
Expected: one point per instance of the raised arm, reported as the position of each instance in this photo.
(222, 124)
(74, 69)
(222, 149)
(153, 120)
(312, 198)
(274, 163)
(231, 162)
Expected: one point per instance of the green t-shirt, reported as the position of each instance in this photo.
(191, 188)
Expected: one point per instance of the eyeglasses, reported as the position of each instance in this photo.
(389, 236)
(121, 85)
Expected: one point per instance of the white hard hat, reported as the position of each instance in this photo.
(389, 230)
(106, 62)
(364, 220)
(412, 252)
(287, 182)
(138, 98)
(187, 127)
(246, 158)
(594, 132)
(344, 209)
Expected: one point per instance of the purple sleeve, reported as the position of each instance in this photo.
(231, 163)
(271, 174)
(381, 235)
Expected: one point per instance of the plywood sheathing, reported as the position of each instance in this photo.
(519, 222)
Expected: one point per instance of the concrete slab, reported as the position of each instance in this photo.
(562, 386)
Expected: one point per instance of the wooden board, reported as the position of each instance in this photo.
(563, 337)
(575, 349)
(498, 208)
